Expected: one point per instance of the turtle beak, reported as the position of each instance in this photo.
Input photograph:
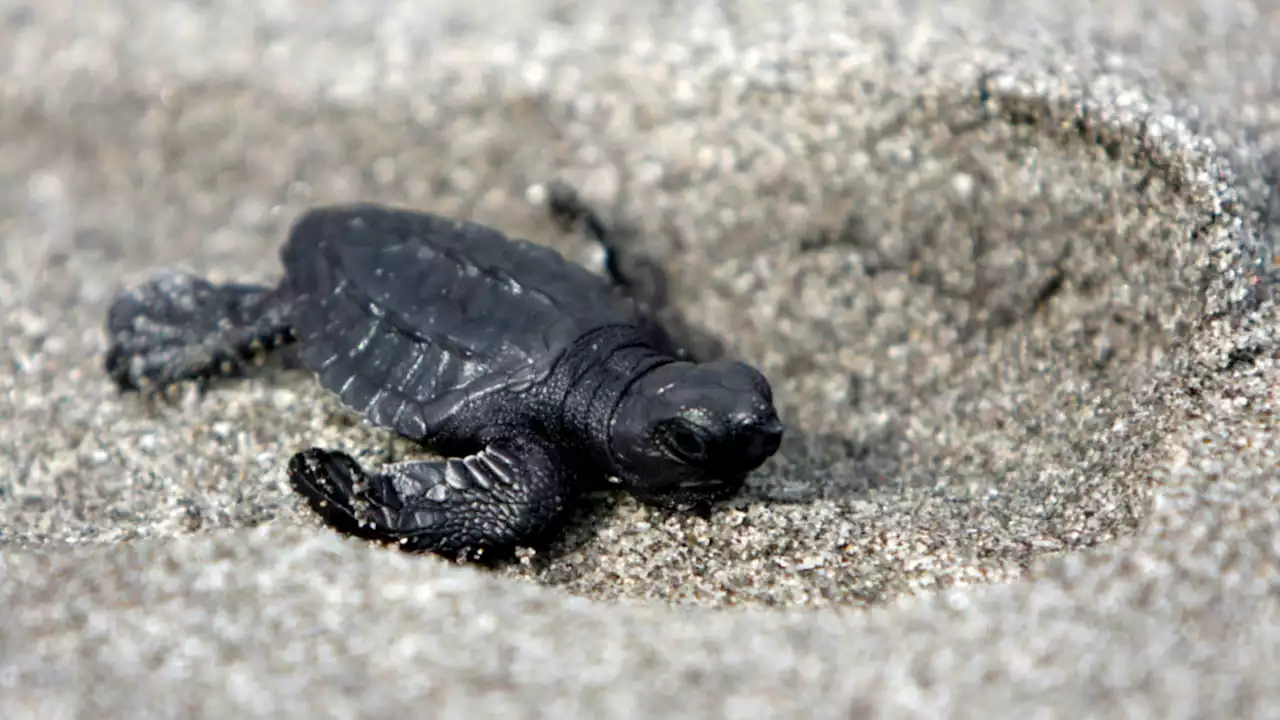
(693, 496)
(697, 497)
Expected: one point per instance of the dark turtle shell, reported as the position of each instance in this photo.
(400, 312)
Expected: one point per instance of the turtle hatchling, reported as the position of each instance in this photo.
(531, 377)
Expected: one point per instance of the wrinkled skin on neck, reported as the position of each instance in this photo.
(686, 435)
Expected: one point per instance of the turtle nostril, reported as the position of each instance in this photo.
(767, 438)
(771, 443)
(758, 437)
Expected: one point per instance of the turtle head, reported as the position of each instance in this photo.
(687, 434)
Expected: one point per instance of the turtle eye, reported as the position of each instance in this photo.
(686, 443)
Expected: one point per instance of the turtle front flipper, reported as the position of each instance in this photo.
(510, 493)
(638, 277)
(178, 327)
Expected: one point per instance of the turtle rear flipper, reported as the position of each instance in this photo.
(511, 492)
(178, 327)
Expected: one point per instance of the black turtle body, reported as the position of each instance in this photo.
(413, 318)
(532, 376)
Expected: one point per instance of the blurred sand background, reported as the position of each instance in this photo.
(1010, 266)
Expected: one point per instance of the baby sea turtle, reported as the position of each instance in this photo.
(531, 376)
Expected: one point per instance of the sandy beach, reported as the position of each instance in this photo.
(1012, 272)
